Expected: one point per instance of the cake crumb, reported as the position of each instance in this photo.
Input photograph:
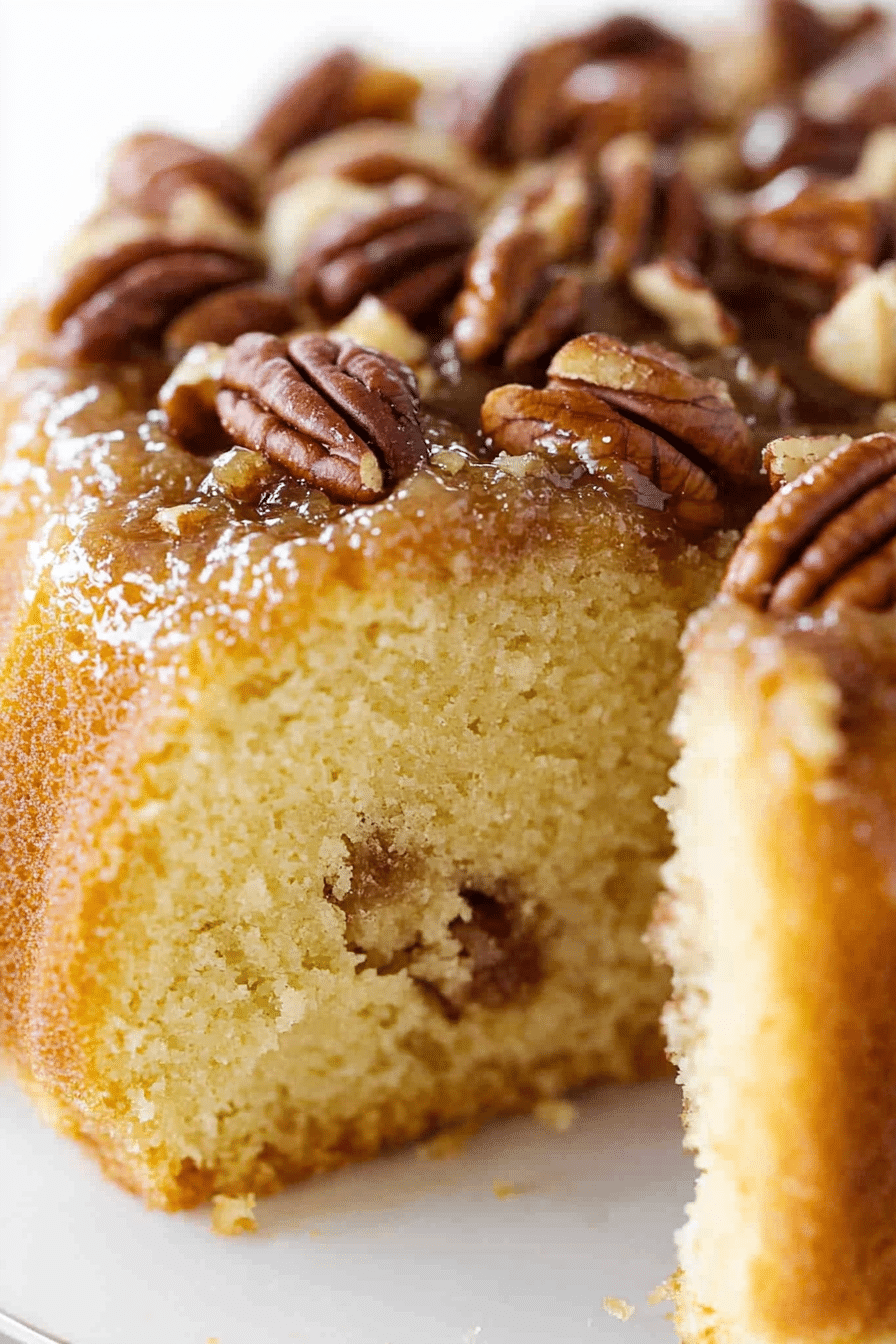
(618, 1307)
(505, 1189)
(663, 1292)
(448, 1143)
(232, 1215)
(555, 1114)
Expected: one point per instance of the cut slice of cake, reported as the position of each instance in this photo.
(781, 926)
(329, 822)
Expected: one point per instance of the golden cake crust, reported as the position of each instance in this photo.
(810, 1163)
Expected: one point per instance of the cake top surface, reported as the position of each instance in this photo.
(615, 271)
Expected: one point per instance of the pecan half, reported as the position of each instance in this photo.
(821, 232)
(317, 101)
(148, 171)
(115, 303)
(535, 106)
(339, 88)
(411, 254)
(655, 234)
(804, 38)
(513, 296)
(607, 400)
(227, 313)
(333, 413)
(827, 538)
(654, 385)
(610, 98)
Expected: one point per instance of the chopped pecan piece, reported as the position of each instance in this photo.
(148, 171)
(513, 296)
(340, 88)
(333, 413)
(115, 303)
(855, 343)
(821, 232)
(788, 457)
(607, 400)
(826, 538)
(411, 254)
(679, 294)
(187, 400)
(227, 313)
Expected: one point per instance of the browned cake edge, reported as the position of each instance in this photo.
(799, 1158)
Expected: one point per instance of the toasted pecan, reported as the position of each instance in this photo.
(227, 313)
(316, 101)
(822, 232)
(149, 170)
(333, 413)
(827, 537)
(513, 294)
(112, 305)
(652, 385)
(607, 400)
(341, 87)
(533, 107)
(410, 254)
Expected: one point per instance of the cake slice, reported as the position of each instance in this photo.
(781, 925)
(328, 776)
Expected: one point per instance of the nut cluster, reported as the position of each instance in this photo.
(826, 539)
(616, 179)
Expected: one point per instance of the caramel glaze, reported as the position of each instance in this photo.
(106, 617)
(771, 381)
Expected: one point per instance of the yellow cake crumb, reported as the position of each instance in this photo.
(663, 1292)
(448, 1143)
(618, 1307)
(505, 1189)
(232, 1215)
(553, 1113)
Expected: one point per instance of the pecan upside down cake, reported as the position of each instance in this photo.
(358, 483)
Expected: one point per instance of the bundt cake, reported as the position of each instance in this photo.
(357, 485)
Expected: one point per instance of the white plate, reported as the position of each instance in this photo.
(404, 1250)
